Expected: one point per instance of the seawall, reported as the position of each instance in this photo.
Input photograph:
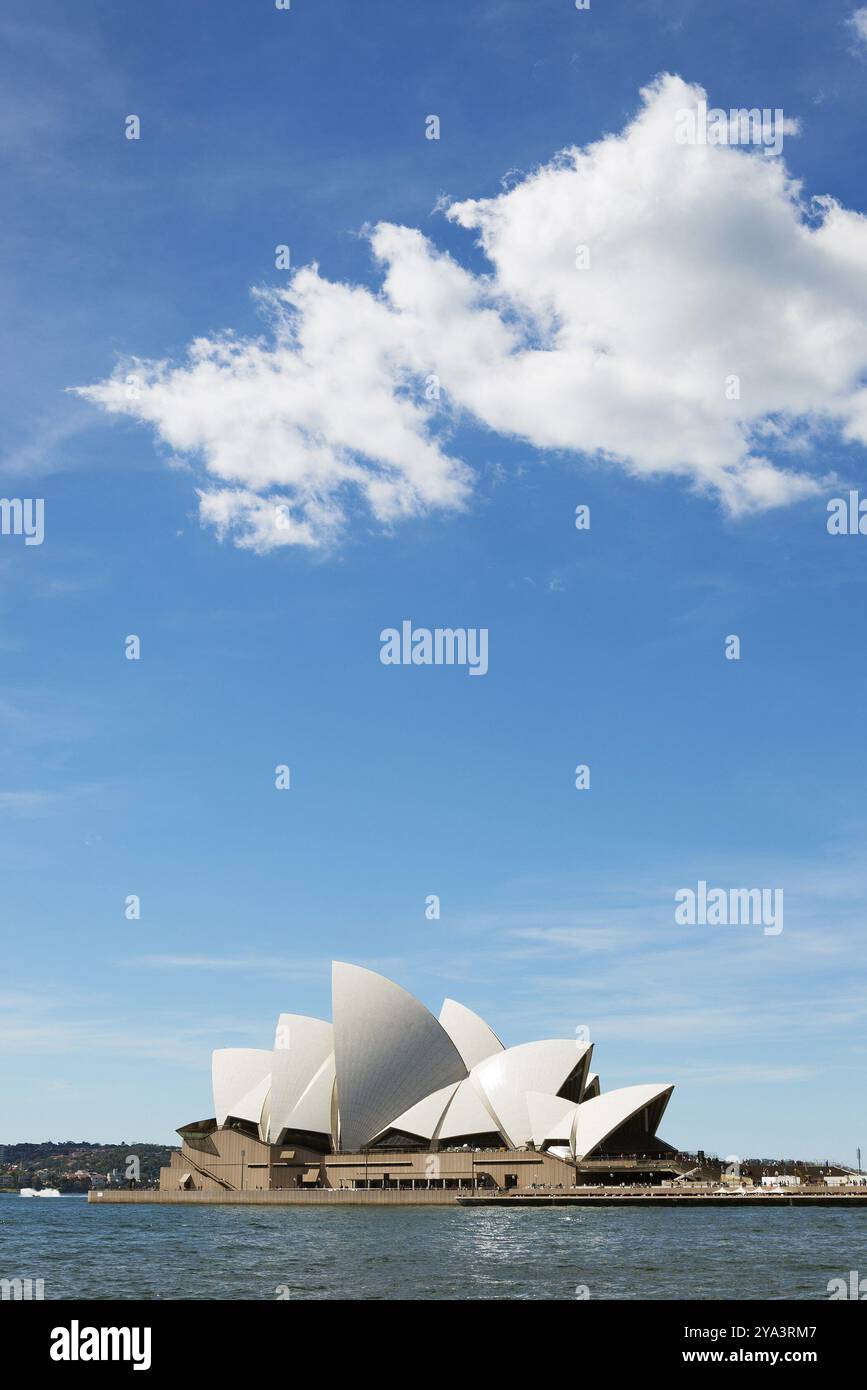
(396, 1198)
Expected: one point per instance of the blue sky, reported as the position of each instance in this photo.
(156, 777)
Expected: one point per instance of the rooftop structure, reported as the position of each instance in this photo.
(386, 1077)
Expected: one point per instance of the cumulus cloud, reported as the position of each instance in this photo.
(705, 264)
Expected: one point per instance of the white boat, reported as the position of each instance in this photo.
(39, 1192)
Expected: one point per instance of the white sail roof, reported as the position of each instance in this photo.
(241, 1078)
(551, 1117)
(387, 1063)
(470, 1034)
(301, 1045)
(422, 1119)
(390, 1052)
(467, 1114)
(314, 1111)
(599, 1117)
(536, 1066)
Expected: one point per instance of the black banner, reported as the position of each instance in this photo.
(191, 1338)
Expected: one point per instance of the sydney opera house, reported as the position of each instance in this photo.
(388, 1096)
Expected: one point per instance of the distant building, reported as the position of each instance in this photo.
(781, 1180)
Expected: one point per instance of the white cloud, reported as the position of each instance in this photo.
(705, 264)
(28, 803)
(858, 22)
(313, 969)
(31, 804)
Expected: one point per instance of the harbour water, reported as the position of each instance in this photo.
(83, 1251)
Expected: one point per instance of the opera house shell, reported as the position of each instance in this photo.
(388, 1077)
